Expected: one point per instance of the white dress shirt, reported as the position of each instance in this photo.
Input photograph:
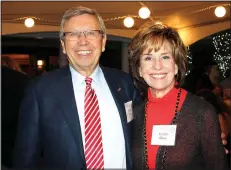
(112, 132)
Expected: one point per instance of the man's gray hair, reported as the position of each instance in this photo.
(80, 10)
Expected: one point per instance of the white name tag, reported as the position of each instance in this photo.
(129, 112)
(163, 135)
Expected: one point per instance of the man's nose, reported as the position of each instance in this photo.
(82, 39)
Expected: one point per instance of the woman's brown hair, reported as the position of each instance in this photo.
(152, 36)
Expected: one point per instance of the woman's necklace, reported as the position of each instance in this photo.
(145, 135)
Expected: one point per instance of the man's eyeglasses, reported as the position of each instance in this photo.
(90, 35)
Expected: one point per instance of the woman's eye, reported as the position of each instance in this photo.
(165, 57)
(147, 58)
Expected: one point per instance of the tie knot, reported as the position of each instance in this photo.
(88, 81)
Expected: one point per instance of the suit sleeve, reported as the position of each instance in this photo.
(212, 150)
(27, 145)
(136, 98)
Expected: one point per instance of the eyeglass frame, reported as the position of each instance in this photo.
(80, 33)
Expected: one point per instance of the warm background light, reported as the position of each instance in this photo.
(29, 22)
(40, 62)
(158, 22)
(144, 12)
(128, 22)
(220, 11)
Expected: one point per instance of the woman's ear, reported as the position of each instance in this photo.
(176, 69)
(140, 73)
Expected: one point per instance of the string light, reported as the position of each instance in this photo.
(29, 22)
(220, 11)
(207, 8)
(222, 54)
(33, 17)
(187, 13)
(144, 12)
(125, 16)
(128, 22)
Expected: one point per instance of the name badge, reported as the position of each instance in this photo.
(163, 135)
(129, 111)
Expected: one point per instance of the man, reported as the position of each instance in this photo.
(79, 116)
(13, 86)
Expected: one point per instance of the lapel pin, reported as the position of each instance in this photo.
(119, 89)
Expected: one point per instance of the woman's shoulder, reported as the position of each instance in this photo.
(196, 104)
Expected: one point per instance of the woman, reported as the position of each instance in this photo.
(172, 128)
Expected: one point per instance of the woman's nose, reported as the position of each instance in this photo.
(157, 64)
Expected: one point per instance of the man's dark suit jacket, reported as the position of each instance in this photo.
(13, 86)
(49, 123)
(198, 143)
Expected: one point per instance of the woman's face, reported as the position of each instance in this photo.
(159, 69)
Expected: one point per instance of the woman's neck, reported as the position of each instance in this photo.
(156, 93)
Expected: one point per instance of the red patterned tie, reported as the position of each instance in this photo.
(93, 135)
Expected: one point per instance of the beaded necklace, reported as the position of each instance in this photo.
(145, 135)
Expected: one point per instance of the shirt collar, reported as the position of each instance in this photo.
(81, 79)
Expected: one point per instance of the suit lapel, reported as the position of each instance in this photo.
(67, 100)
(117, 91)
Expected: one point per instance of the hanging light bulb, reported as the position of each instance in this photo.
(128, 22)
(29, 22)
(144, 12)
(220, 11)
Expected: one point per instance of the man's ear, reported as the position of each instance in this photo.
(63, 46)
(104, 42)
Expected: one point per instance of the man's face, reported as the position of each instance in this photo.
(83, 53)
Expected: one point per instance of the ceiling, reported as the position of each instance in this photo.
(177, 14)
(182, 15)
